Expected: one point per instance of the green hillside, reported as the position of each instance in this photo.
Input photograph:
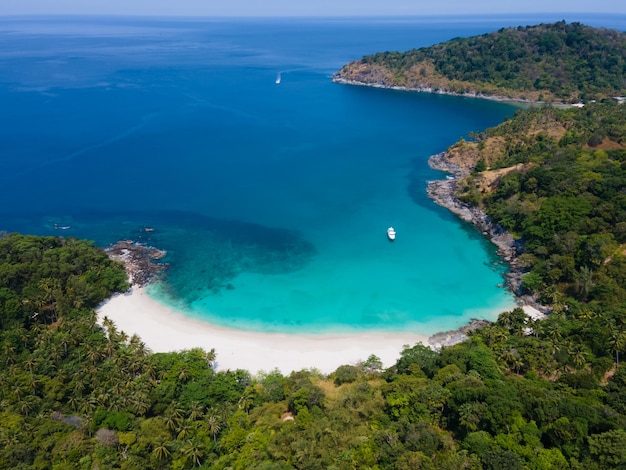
(557, 179)
(549, 62)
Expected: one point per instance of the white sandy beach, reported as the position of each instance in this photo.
(163, 329)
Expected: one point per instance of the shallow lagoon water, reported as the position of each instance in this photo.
(272, 200)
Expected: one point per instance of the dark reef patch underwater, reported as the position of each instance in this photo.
(204, 253)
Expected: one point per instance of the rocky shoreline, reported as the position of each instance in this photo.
(452, 337)
(140, 260)
(439, 91)
(443, 193)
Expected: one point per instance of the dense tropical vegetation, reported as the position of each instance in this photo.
(556, 178)
(549, 62)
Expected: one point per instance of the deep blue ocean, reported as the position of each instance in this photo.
(272, 200)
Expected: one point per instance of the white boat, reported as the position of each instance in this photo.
(278, 79)
(391, 233)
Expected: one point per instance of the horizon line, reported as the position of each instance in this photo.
(303, 16)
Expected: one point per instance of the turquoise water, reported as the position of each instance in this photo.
(272, 200)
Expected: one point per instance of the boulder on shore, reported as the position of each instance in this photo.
(139, 259)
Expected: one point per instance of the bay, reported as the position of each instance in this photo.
(272, 200)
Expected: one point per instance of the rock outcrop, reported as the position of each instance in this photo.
(450, 338)
(443, 193)
(139, 259)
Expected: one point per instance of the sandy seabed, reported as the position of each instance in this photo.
(163, 329)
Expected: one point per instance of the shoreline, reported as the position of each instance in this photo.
(166, 329)
(442, 192)
(163, 329)
(439, 91)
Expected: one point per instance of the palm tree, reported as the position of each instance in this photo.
(194, 450)
(140, 404)
(64, 341)
(88, 406)
(78, 389)
(26, 405)
(19, 393)
(9, 439)
(161, 452)
(33, 383)
(73, 402)
(556, 299)
(121, 358)
(51, 292)
(136, 364)
(505, 319)
(138, 346)
(577, 355)
(508, 355)
(618, 341)
(30, 363)
(518, 363)
(103, 398)
(183, 374)
(535, 326)
(23, 334)
(225, 411)
(196, 410)
(112, 334)
(585, 282)
(151, 371)
(8, 352)
(245, 402)
(487, 334)
(123, 337)
(109, 349)
(210, 358)
(553, 334)
(494, 334)
(172, 417)
(93, 354)
(184, 431)
(470, 415)
(108, 324)
(214, 427)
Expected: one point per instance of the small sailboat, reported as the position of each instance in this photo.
(278, 78)
(391, 233)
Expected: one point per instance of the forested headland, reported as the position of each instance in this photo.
(557, 62)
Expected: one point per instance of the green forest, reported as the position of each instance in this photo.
(518, 394)
(559, 62)
(561, 188)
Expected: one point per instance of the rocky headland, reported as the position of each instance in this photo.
(140, 260)
(443, 192)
